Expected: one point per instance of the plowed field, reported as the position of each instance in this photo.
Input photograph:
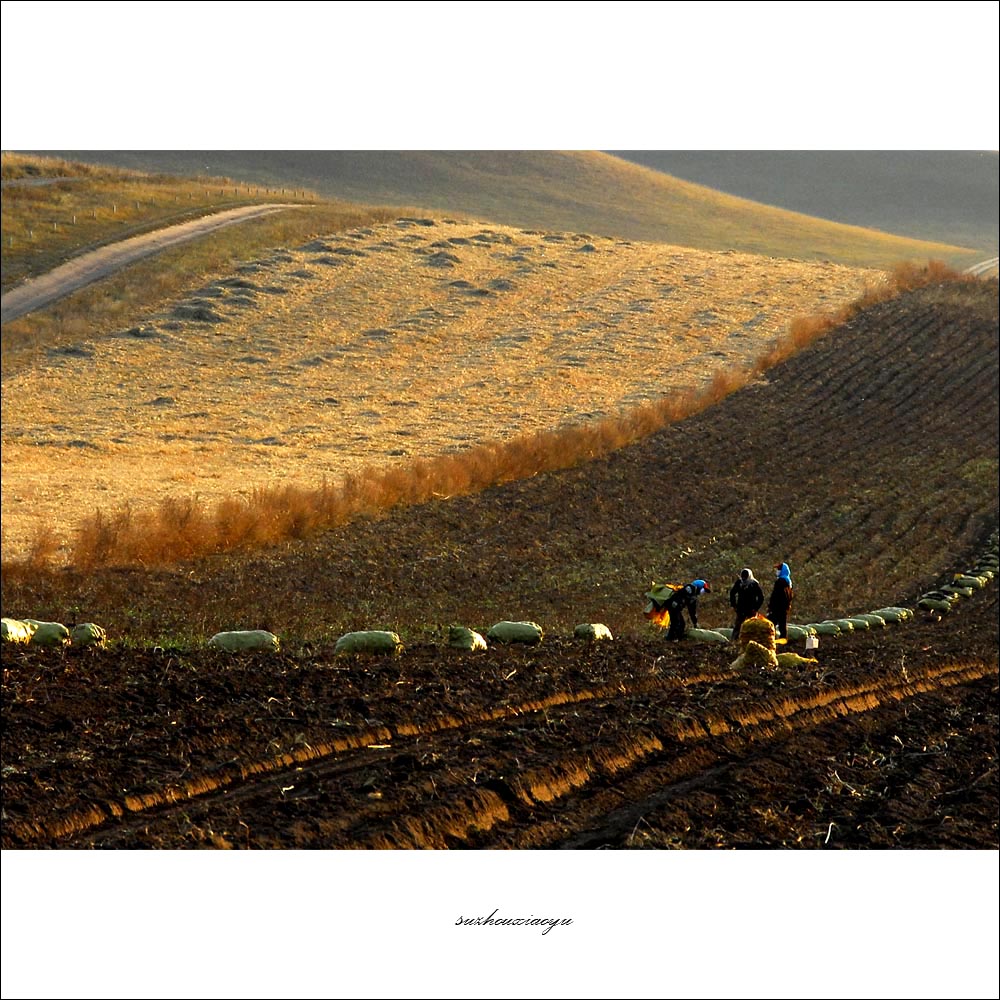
(890, 743)
(868, 462)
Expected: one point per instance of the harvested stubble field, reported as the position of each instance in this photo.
(868, 461)
(407, 340)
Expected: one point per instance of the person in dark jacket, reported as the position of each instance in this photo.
(686, 598)
(780, 600)
(745, 597)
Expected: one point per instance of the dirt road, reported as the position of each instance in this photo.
(97, 264)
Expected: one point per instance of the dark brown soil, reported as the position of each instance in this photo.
(868, 462)
(890, 741)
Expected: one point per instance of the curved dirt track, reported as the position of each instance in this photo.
(97, 264)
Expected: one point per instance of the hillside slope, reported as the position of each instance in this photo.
(378, 346)
(867, 461)
(560, 191)
(948, 196)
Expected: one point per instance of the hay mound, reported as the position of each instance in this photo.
(759, 630)
(755, 656)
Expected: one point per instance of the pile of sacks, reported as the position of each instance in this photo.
(985, 569)
(758, 649)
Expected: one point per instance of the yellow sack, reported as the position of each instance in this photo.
(755, 656)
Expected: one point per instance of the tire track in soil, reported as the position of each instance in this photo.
(239, 777)
(576, 786)
(737, 756)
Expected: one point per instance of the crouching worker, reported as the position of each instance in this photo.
(685, 597)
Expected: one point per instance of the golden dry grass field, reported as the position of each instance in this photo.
(376, 346)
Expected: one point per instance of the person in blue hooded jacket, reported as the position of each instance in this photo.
(781, 600)
(685, 598)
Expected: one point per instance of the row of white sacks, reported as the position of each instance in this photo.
(27, 631)
(30, 631)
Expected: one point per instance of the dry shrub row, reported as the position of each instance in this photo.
(181, 529)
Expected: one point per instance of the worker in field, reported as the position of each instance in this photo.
(685, 598)
(780, 601)
(745, 598)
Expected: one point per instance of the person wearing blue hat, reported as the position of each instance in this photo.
(780, 601)
(685, 597)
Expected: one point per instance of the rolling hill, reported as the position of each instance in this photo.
(868, 461)
(558, 191)
(947, 196)
(380, 346)
(847, 460)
